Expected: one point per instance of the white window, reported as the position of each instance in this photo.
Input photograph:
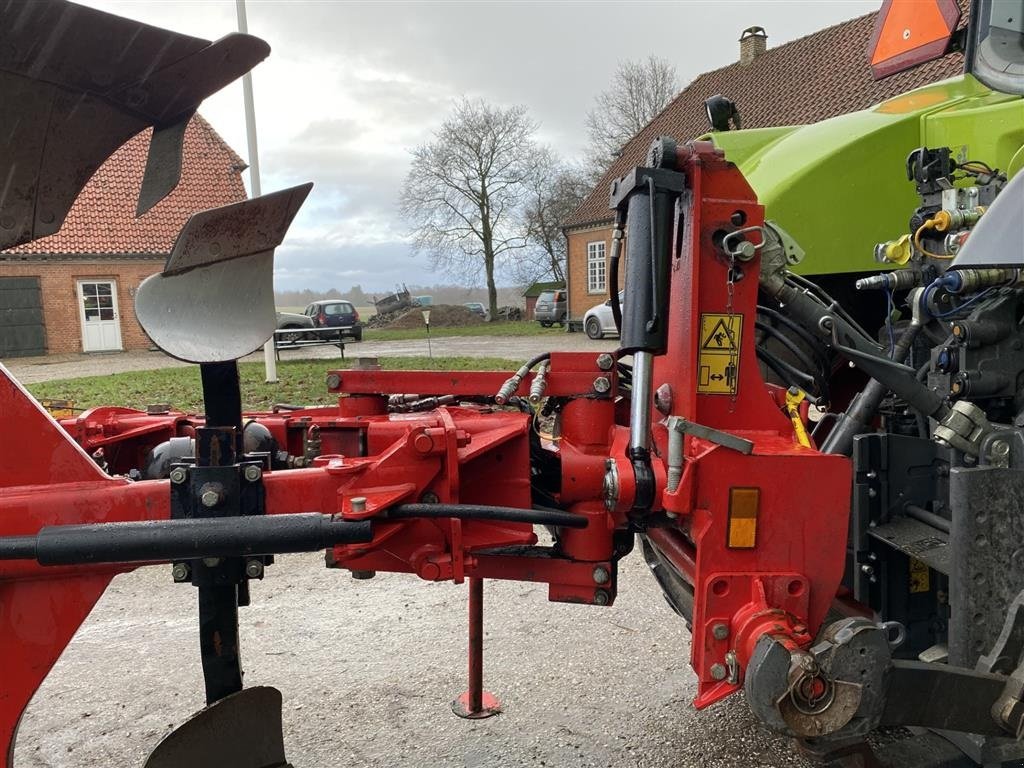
(596, 268)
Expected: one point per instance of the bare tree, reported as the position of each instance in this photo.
(554, 191)
(464, 190)
(639, 91)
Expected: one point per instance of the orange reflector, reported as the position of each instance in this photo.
(743, 506)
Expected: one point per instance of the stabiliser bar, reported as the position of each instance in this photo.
(157, 540)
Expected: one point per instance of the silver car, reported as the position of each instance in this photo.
(598, 321)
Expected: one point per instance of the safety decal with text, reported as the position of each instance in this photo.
(718, 359)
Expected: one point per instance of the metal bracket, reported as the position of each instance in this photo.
(725, 439)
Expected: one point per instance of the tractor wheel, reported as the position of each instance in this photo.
(593, 328)
(292, 338)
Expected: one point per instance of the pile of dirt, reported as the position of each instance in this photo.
(441, 316)
(384, 320)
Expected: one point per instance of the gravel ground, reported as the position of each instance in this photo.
(368, 669)
(31, 370)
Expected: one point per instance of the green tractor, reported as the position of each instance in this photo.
(835, 185)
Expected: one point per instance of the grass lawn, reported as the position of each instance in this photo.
(483, 329)
(301, 382)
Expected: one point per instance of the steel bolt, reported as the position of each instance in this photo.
(252, 473)
(333, 380)
(180, 572)
(210, 498)
(602, 384)
(211, 562)
(601, 597)
(663, 399)
(720, 631)
(605, 361)
(178, 475)
(254, 569)
(867, 570)
(601, 575)
(358, 504)
(718, 671)
(1000, 448)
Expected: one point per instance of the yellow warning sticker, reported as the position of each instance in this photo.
(718, 358)
(919, 576)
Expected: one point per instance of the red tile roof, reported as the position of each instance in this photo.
(819, 76)
(102, 219)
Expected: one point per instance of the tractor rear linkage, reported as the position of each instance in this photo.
(687, 448)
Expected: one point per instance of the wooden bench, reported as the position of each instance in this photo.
(284, 338)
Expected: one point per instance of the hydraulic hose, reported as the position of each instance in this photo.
(159, 540)
(849, 341)
(613, 270)
(535, 516)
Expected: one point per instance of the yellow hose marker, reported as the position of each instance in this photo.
(794, 397)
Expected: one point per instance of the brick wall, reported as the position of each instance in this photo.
(58, 282)
(580, 298)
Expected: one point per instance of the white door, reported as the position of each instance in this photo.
(97, 308)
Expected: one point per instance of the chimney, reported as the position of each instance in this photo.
(753, 42)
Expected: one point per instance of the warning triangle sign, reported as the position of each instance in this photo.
(721, 338)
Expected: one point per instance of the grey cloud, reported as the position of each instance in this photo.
(397, 66)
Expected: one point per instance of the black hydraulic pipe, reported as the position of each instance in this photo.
(864, 406)
(159, 540)
(613, 270)
(553, 517)
(848, 341)
(795, 351)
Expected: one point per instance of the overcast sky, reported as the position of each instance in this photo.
(350, 87)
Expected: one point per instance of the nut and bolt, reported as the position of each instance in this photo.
(252, 473)
(254, 569)
(605, 361)
(211, 498)
(601, 597)
(867, 570)
(718, 671)
(720, 631)
(211, 562)
(601, 575)
(180, 572)
(333, 380)
(358, 504)
(429, 498)
(178, 475)
(602, 384)
(663, 399)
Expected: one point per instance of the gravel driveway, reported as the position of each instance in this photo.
(368, 668)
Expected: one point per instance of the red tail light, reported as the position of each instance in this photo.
(321, 319)
(357, 315)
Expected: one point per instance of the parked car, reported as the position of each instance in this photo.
(598, 321)
(551, 308)
(476, 308)
(293, 320)
(336, 313)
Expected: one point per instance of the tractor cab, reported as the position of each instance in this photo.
(995, 52)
